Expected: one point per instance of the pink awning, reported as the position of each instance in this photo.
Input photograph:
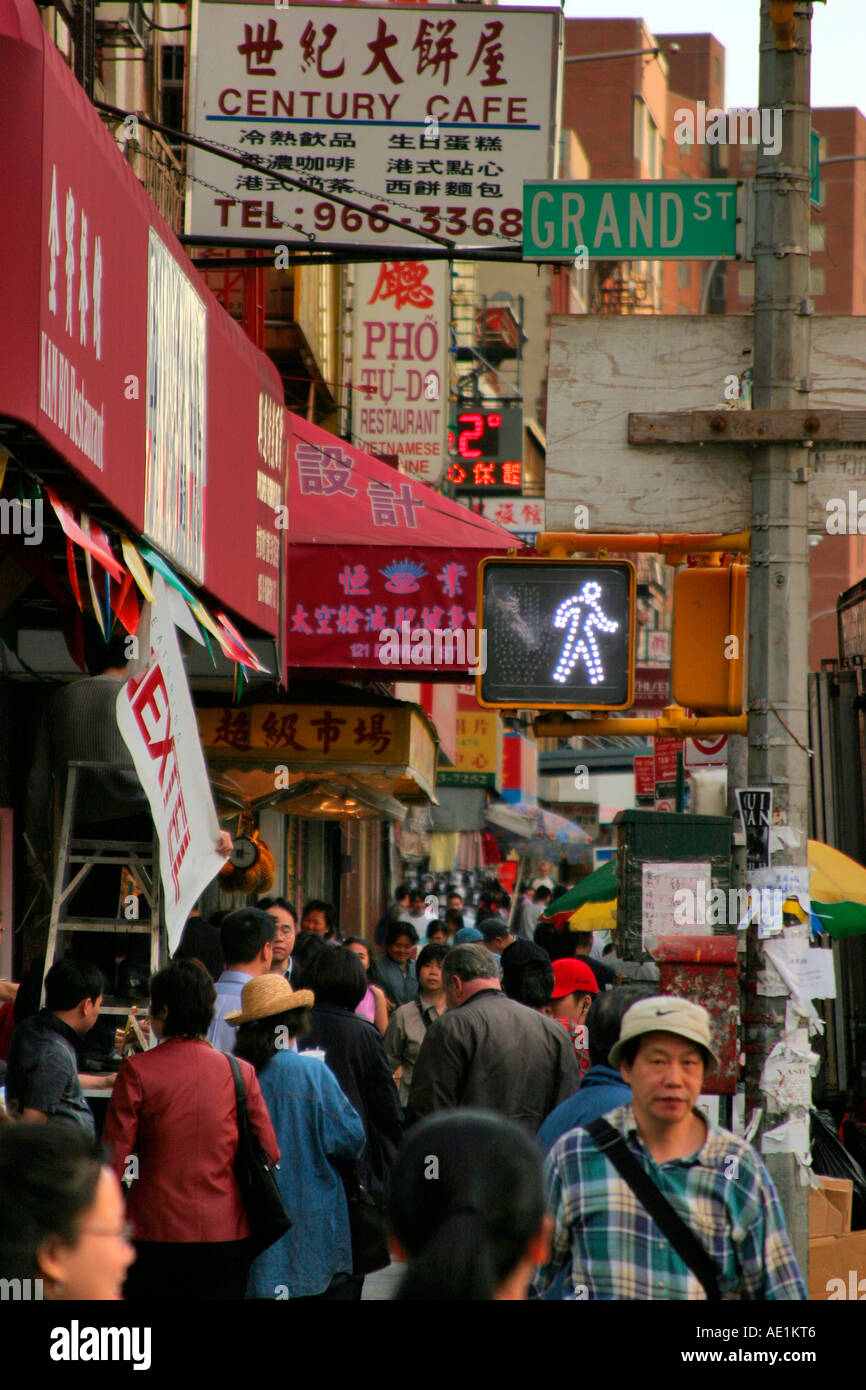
(371, 549)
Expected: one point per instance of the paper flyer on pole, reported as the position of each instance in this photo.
(157, 721)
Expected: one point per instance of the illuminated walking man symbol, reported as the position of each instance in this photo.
(581, 615)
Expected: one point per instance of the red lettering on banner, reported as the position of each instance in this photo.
(144, 691)
(144, 699)
(180, 833)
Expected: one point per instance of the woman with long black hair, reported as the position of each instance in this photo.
(466, 1209)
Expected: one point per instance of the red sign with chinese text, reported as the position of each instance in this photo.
(644, 776)
(665, 755)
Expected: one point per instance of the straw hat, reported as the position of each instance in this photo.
(266, 995)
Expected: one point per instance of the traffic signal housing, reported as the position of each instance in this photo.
(709, 639)
(783, 22)
(560, 634)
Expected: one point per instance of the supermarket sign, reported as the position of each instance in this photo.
(429, 114)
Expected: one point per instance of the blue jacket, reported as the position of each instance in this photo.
(601, 1090)
(314, 1124)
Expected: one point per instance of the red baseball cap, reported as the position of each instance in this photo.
(572, 977)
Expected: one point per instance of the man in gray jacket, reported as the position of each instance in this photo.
(489, 1052)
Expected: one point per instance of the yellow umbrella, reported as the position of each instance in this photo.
(594, 917)
(835, 877)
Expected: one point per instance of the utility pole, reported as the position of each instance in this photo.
(779, 580)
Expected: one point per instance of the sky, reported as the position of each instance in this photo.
(838, 41)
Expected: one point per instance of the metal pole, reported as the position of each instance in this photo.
(779, 587)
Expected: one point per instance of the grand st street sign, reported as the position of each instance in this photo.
(630, 220)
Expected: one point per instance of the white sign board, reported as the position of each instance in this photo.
(157, 720)
(431, 114)
(711, 751)
(400, 328)
(522, 515)
(176, 405)
(604, 367)
(674, 900)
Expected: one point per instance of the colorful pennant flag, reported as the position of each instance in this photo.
(137, 569)
(99, 549)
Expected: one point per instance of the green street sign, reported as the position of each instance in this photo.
(631, 220)
(815, 169)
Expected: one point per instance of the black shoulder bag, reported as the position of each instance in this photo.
(257, 1177)
(669, 1222)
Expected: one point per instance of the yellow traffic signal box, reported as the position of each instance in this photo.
(709, 639)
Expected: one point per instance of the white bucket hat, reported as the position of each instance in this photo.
(665, 1014)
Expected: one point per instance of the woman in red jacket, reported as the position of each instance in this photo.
(172, 1131)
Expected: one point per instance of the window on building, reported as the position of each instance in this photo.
(817, 237)
(746, 282)
(717, 71)
(638, 129)
(652, 154)
(171, 86)
(684, 275)
(816, 280)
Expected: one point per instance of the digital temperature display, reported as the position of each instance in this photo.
(486, 449)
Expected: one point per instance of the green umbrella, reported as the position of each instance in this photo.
(597, 887)
(841, 919)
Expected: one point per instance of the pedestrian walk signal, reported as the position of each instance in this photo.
(560, 634)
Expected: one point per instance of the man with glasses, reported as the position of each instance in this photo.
(283, 915)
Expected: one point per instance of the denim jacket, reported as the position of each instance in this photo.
(314, 1124)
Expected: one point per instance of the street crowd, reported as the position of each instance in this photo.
(433, 1097)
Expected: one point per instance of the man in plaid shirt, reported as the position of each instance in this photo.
(608, 1245)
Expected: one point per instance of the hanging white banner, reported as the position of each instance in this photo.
(157, 721)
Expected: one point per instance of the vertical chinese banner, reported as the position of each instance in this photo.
(400, 364)
(479, 741)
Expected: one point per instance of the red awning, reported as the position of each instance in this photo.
(114, 351)
(371, 549)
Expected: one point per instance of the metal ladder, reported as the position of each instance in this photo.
(76, 857)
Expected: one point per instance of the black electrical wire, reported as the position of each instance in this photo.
(164, 28)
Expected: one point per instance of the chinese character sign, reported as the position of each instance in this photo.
(301, 734)
(431, 118)
(156, 718)
(340, 606)
(400, 364)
